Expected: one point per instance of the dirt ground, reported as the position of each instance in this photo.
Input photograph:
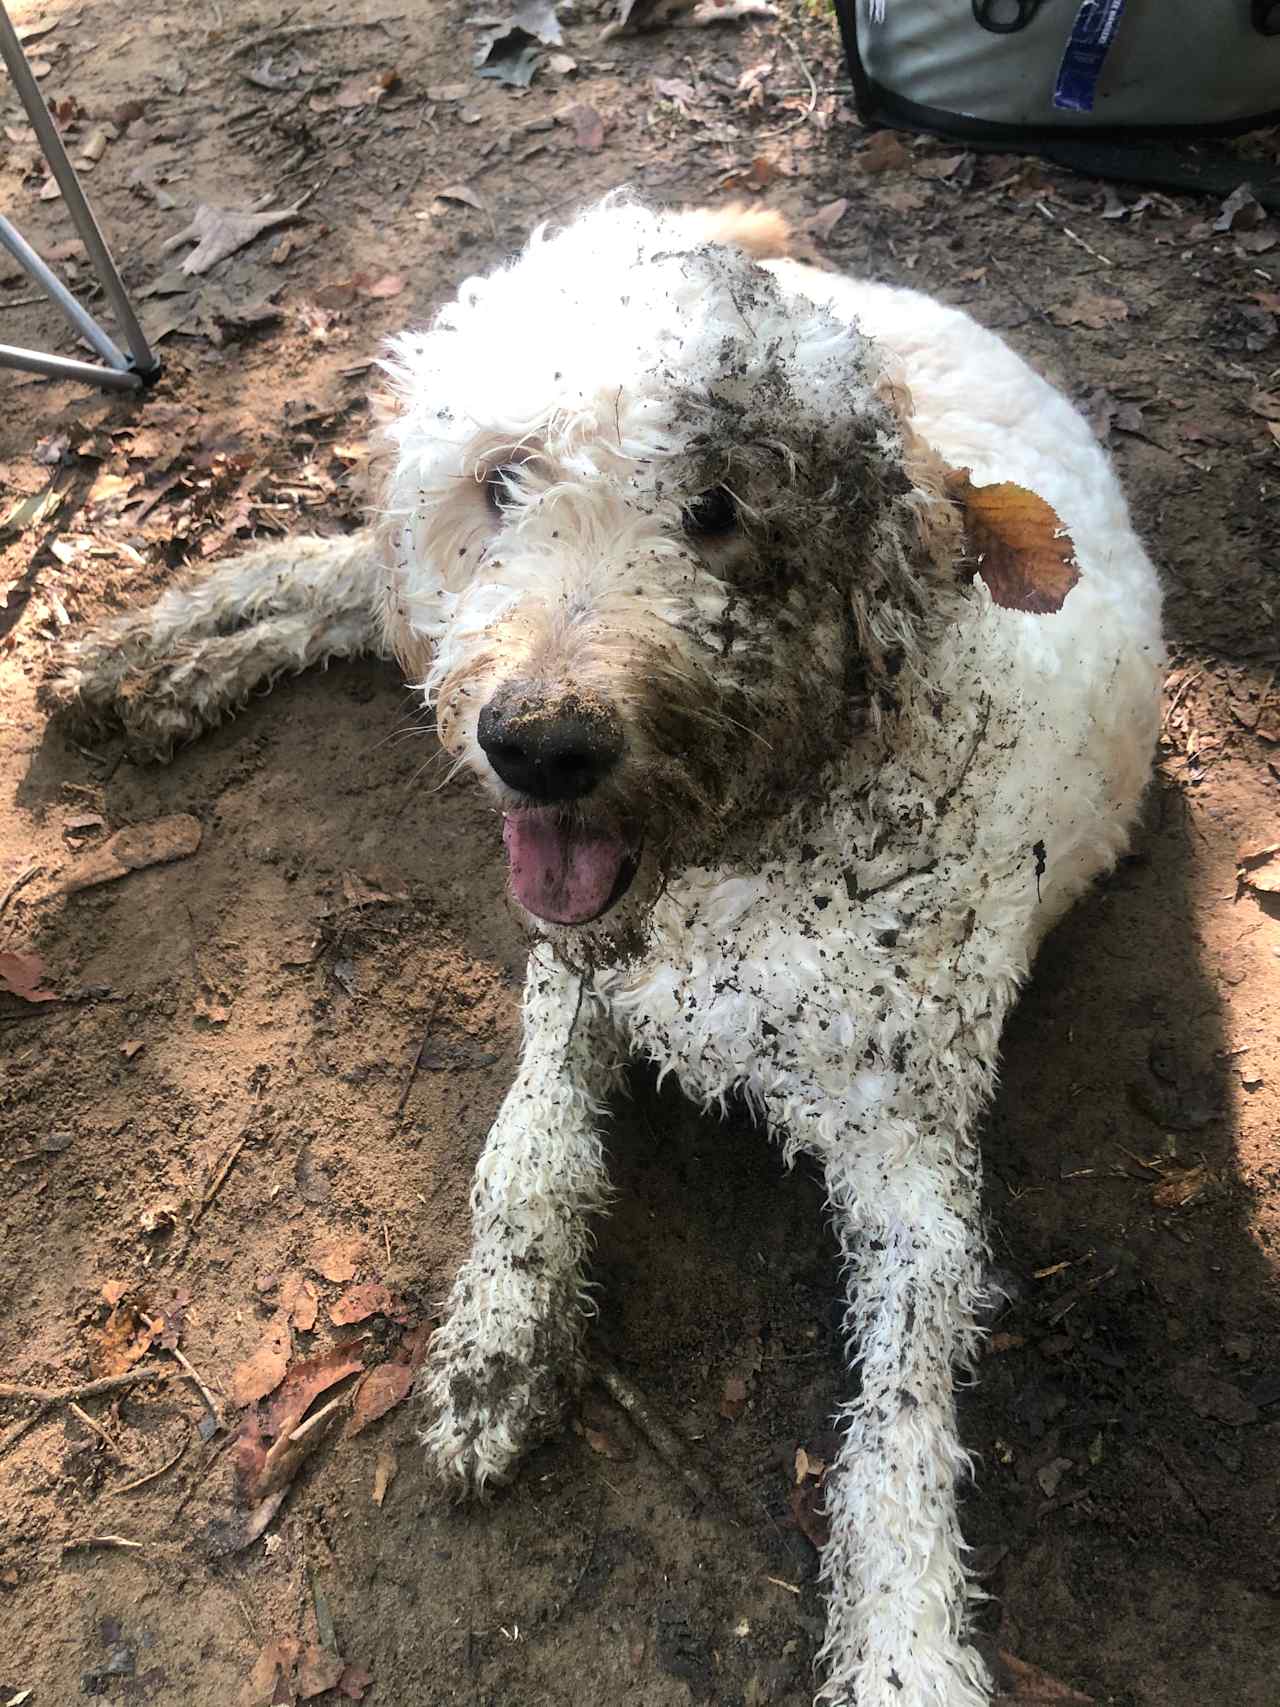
(256, 1102)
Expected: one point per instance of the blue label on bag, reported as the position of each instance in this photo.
(1087, 46)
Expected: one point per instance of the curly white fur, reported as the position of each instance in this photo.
(865, 792)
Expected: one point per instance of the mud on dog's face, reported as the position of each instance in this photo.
(655, 549)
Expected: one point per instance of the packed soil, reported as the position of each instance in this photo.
(254, 1103)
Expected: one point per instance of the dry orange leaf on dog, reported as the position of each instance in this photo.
(1018, 542)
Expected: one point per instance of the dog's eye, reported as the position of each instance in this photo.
(711, 514)
(498, 485)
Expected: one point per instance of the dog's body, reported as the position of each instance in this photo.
(790, 804)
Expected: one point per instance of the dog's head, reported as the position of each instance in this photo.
(660, 544)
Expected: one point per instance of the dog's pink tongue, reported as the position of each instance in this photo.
(561, 872)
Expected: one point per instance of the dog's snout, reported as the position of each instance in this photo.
(549, 749)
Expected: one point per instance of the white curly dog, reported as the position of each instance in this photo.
(788, 797)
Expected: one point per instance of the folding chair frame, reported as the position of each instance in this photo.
(123, 373)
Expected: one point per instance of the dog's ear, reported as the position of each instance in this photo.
(760, 232)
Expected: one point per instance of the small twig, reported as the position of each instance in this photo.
(103, 1541)
(101, 1433)
(282, 30)
(192, 1374)
(321, 1415)
(417, 1060)
(151, 1475)
(664, 1441)
(199, 1480)
(87, 1390)
(386, 1239)
(807, 114)
(221, 1176)
(19, 882)
(1068, 232)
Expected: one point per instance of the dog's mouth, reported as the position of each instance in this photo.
(565, 871)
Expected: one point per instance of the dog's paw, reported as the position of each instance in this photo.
(485, 1412)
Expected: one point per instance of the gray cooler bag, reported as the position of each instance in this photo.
(1026, 70)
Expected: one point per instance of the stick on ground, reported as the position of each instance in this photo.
(663, 1439)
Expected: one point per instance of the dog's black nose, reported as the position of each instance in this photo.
(549, 749)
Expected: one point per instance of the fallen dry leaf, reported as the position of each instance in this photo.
(884, 152)
(318, 1669)
(131, 849)
(460, 193)
(1259, 868)
(353, 1683)
(588, 126)
(21, 975)
(305, 1382)
(358, 1303)
(265, 1370)
(1177, 1190)
(384, 1473)
(805, 1502)
(389, 284)
(337, 1260)
(219, 231)
(824, 222)
(381, 1388)
(1087, 308)
(1021, 1685)
(270, 1679)
(123, 1338)
(733, 1399)
(1241, 211)
(300, 1301)
(1021, 549)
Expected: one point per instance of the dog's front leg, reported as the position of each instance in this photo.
(903, 1184)
(507, 1352)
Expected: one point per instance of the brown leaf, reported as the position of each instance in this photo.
(381, 1388)
(805, 1500)
(299, 1300)
(337, 1260)
(390, 284)
(588, 126)
(1087, 308)
(1022, 551)
(384, 1473)
(824, 222)
(122, 1339)
(140, 845)
(460, 193)
(265, 1370)
(358, 1303)
(303, 1384)
(733, 1399)
(273, 1666)
(1259, 867)
(1241, 211)
(353, 1683)
(999, 1343)
(318, 1669)
(949, 166)
(884, 152)
(1021, 1685)
(1177, 1190)
(1211, 1397)
(20, 975)
(219, 231)
(605, 1445)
